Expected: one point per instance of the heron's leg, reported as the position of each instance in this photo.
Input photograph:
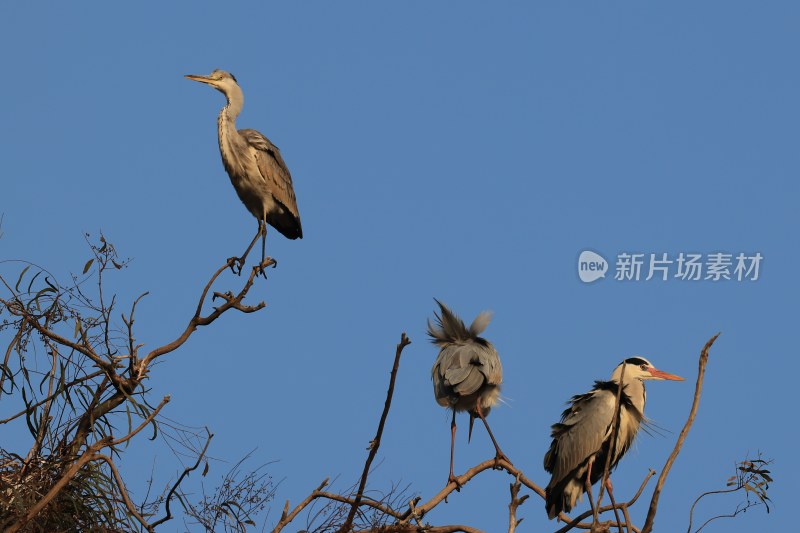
(263, 238)
(242, 259)
(499, 453)
(262, 229)
(588, 489)
(452, 477)
(614, 504)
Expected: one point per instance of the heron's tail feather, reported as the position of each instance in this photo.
(449, 328)
(480, 323)
(562, 497)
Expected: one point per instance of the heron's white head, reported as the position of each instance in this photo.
(222, 81)
(640, 368)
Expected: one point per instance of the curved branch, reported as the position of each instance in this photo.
(287, 517)
(460, 481)
(701, 370)
(199, 320)
(126, 499)
(185, 473)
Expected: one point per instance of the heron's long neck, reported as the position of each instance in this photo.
(227, 117)
(229, 138)
(635, 390)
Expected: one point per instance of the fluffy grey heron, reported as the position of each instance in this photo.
(467, 373)
(583, 437)
(255, 166)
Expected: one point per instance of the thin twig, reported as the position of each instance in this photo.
(124, 491)
(186, 471)
(376, 442)
(697, 500)
(701, 369)
(287, 517)
(515, 502)
(148, 419)
(52, 396)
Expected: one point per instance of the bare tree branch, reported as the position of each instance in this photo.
(701, 369)
(514, 504)
(186, 471)
(576, 522)
(376, 442)
(287, 517)
(124, 491)
(199, 320)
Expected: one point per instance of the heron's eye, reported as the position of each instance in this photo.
(643, 367)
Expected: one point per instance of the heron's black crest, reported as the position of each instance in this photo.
(234, 77)
(636, 361)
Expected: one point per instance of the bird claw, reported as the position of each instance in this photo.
(454, 479)
(501, 457)
(234, 263)
(261, 268)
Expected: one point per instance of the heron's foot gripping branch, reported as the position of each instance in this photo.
(454, 480)
(267, 262)
(236, 264)
(499, 458)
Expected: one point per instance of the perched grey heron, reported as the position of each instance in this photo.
(255, 166)
(582, 440)
(467, 373)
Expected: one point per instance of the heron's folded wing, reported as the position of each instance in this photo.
(581, 432)
(273, 169)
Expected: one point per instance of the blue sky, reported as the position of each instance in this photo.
(461, 151)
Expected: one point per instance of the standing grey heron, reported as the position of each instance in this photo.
(467, 373)
(583, 437)
(255, 166)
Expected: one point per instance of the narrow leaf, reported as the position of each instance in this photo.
(21, 275)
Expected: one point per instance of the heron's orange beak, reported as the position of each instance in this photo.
(195, 77)
(660, 374)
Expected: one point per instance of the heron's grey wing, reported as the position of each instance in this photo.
(463, 368)
(273, 169)
(581, 433)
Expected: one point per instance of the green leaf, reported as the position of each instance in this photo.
(88, 265)
(21, 275)
(30, 283)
